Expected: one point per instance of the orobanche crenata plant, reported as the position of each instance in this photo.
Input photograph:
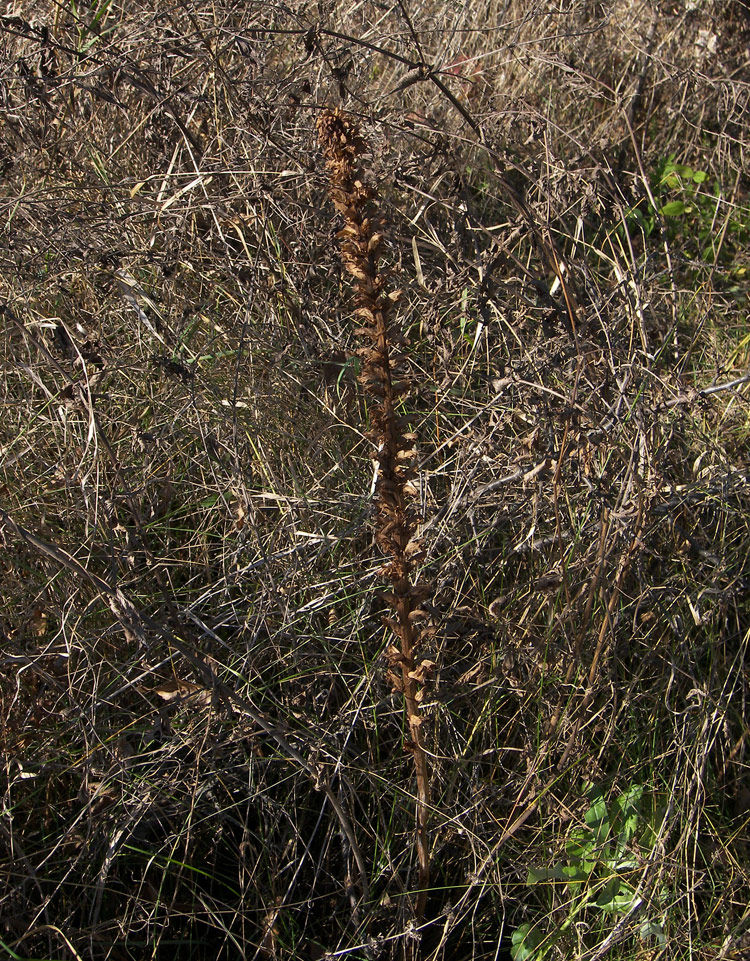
(384, 379)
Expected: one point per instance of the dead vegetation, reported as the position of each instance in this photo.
(203, 756)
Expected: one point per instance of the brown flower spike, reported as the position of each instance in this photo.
(384, 380)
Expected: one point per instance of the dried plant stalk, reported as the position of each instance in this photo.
(383, 377)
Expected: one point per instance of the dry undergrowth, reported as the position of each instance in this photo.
(203, 756)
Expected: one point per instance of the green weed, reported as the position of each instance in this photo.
(598, 882)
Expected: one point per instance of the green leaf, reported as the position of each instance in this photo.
(577, 872)
(673, 172)
(537, 875)
(627, 814)
(524, 943)
(645, 223)
(615, 897)
(652, 929)
(597, 818)
(579, 845)
(675, 208)
(621, 903)
(700, 176)
(597, 813)
(582, 851)
(630, 799)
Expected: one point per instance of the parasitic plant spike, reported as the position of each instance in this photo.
(385, 381)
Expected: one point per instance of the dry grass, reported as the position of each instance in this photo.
(199, 738)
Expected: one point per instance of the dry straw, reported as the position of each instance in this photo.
(384, 379)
